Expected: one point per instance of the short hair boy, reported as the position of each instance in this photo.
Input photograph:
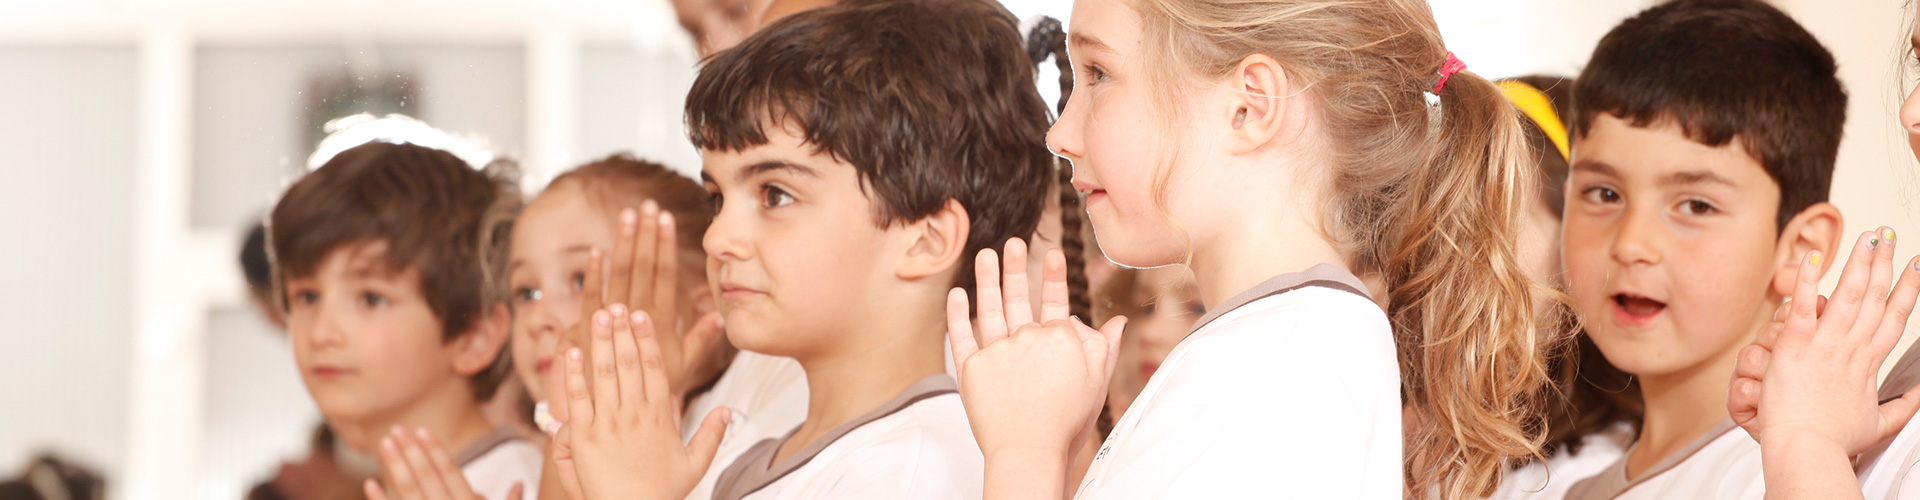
(859, 156)
(1708, 135)
(389, 265)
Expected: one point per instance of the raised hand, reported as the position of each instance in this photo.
(417, 467)
(645, 276)
(622, 439)
(1031, 389)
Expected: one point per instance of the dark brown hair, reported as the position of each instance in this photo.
(436, 214)
(621, 181)
(1726, 69)
(929, 100)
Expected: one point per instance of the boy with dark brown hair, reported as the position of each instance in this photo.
(858, 157)
(389, 264)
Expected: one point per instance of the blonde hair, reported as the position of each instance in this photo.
(1429, 200)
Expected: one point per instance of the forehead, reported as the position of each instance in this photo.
(562, 215)
(785, 152)
(359, 260)
(1660, 151)
(1113, 24)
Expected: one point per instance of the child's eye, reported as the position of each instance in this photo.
(526, 294)
(714, 202)
(1600, 195)
(1197, 309)
(306, 297)
(774, 197)
(578, 281)
(1096, 74)
(1147, 308)
(1697, 207)
(372, 299)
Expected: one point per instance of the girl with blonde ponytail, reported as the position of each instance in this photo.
(1348, 198)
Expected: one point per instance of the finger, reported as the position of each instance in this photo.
(1900, 304)
(1879, 285)
(706, 441)
(666, 276)
(1848, 297)
(1751, 362)
(1113, 330)
(399, 471)
(646, 243)
(1019, 306)
(1895, 414)
(1780, 313)
(1743, 399)
(1805, 316)
(372, 490)
(704, 337)
(993, 321)
(443, 466)
(515, 493)
(653, 370)
(627, 369)
(620, 279)
(592, 293)
(1053, 287)
(959, 329)
(606, 372)
(1768, 335)
(423, 468)
(557, 402)
(577, 394)
(563, 465)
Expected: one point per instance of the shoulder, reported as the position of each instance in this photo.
(926, 448)
(494, 473)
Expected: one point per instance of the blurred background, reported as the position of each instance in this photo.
(140, 139)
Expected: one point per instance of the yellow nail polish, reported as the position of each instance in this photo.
(1889, 235)
(1816, 259)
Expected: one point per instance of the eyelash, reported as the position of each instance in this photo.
(1586, 193)
(1096, 74)
(769, 192)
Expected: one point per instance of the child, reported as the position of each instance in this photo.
(1816, 365)
(1701, 177)
(552, 240)
(389, 261)
(1591, 414)
(1280, 149)
(851, 180)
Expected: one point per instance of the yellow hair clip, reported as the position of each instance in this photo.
(1536, 106)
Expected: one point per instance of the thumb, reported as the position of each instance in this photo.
(702, 339)
(706, 441)
(1895, 414)
(557, 383)
(1113, 330)
(512, 494)
(372, 489)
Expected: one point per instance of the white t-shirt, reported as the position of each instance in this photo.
(1888, 471)
(494, 464)
(1550, 480)
(1723, 464)
(1294, 395)
(917, 446)
(768, 397)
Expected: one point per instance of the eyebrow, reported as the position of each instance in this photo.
(1088, 42)
(770, 166)
(1595, 167)
(564, 251)
(1692, 177)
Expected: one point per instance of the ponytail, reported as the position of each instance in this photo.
(1047, 38)
(1426, 198)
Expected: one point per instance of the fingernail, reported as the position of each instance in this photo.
(650, 207)
(387, 442)
(600, 318)
(722, 319)
(1873, 243)
(666, 218)
(618, 309)
(1887, 235)
(420, 431)
(573, 354)
(1916, 263)
(638, 317)
(627, 216)
(1814, 258)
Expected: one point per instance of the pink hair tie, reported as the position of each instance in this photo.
(1453, 65)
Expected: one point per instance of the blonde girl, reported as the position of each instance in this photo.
(1301, 156)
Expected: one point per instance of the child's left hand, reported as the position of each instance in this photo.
(417, 467)
(622, 436)
(1028, 387)
(1809, 380)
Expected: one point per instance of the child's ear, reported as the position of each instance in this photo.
(935, 243)
(1256, 107)
(476, 350)
(1816, 228)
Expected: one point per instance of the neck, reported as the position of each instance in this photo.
(1258, 243)
(450, 413)
(899, 343)
(1681, 407)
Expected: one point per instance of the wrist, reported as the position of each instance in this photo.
(1802, 446)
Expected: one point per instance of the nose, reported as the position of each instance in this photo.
(329, 331)
(1636, 239)
(1910, 112)
(1067, 137)
(726, 235)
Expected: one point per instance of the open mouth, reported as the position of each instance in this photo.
(1636, 310)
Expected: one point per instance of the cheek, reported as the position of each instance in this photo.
(1132, 229)
(1910, 120)
(1584, 256)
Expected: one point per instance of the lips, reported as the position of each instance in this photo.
(543, 365)
(330, 372)
(734, 291)
(1635, 309)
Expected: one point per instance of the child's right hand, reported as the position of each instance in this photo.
(645, 276)
(1809, 382)
(419, 468)
(1028, 387)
